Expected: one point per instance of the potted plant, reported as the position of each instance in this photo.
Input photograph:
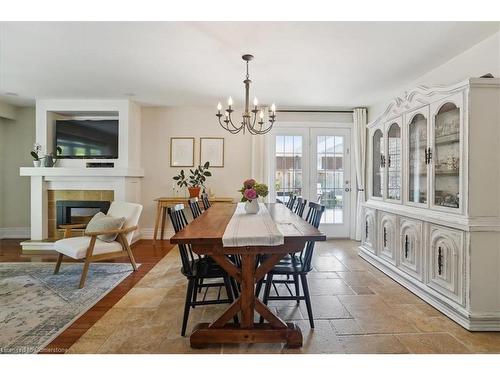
(251, 191)
(196, 179)
(35, 154)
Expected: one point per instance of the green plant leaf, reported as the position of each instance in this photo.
(208, 174)
(206, 165)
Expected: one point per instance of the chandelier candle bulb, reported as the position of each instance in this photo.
(261, 115)
(255, 102)
(219, 107)
(230, 102)
(273, 108)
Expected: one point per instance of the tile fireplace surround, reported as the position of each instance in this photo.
(70, 195)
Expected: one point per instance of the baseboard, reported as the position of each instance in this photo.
(457, 313)
(15, 232)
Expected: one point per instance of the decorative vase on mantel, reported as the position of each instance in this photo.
(37, 163)
(252, 207)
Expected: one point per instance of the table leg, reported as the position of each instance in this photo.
(157, 220)
(221, 331)
(247, 290)
(163, 217)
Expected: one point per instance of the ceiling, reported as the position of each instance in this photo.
(306, 64)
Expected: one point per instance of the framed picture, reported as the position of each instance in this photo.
(182, 152)
(212, 150)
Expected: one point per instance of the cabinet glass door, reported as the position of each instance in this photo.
(393, 162)
(446, 158)
(378, 164)
(417, 160)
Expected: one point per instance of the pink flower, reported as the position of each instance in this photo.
(250, 194)
(249, 184)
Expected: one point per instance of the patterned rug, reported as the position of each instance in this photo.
(36, 305)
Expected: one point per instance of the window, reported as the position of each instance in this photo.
(288, 178)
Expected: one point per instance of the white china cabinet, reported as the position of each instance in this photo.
(432, 214)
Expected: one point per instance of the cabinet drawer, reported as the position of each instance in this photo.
(445, 260)
(410, 247)
(368, 235)
(387, 236)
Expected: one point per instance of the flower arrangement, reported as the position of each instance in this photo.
(252, 190)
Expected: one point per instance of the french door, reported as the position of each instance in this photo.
(315, 163)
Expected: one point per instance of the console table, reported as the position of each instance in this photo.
(163, 203)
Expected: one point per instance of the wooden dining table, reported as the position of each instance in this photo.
(205, 236)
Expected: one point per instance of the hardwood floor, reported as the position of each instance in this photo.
(145, 252)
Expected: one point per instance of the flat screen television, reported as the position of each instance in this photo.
(87, 139)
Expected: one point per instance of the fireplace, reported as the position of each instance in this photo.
(79, 212)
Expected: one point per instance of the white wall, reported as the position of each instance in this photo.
(159, 124)
(482, 58)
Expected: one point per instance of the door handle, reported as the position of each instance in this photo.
(347, 190)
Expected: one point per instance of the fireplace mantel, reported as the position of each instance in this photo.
(81, 172)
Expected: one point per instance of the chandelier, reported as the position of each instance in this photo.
(249, 115)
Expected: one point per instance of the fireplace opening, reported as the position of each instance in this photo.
(79, 212)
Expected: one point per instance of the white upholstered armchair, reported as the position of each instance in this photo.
(90, 248)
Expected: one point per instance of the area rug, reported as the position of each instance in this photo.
(36, 305)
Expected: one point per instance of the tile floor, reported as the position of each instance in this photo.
(357, 310)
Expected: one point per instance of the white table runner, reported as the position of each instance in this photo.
(252, 229)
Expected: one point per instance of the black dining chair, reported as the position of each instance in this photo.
(301, 205)
(197, 271)
(291, 201)
(297, 267)
(195, 207)
(206, 201)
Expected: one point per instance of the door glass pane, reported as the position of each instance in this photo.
(288, 178)
(377, 164)
(417, 176)
(330, 177)
(447, 156)
(394, 162)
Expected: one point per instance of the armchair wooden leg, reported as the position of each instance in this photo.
(84, 273)
(58, 264)
(88, 257)
(126, 245)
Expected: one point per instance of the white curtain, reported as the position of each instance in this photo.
(359, 116)
(260, 159)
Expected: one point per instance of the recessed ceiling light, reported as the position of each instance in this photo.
(11, 93)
